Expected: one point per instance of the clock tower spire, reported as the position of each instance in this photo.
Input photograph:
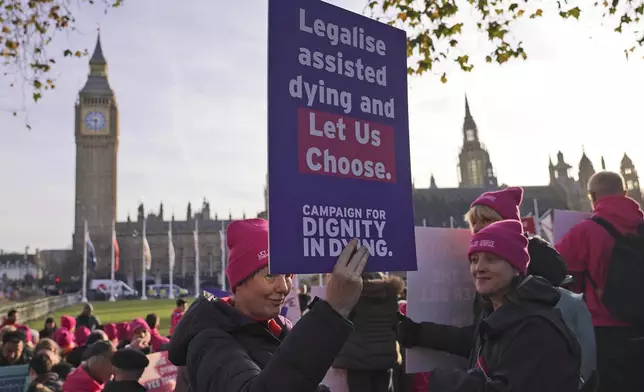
(97, 137)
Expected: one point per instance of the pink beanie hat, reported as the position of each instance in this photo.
(248, 249)
(68, 322)
(123, 331)
(506, 240)
(111, 331)
(506, 202)
(64, 338)
(138, 323)
(28, 335)
(81, 335)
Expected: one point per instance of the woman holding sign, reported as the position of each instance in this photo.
(522, 344)
(242, 344)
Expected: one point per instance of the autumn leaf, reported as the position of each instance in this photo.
(27, 28)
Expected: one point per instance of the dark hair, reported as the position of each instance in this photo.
(12, 312)
(13, 337)
(41, 363)
(180, 302)
(96, 349)
(62, 369)
(49, 320)
(152, 320)
(96, 336)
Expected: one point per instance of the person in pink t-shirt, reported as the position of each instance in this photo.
(157, 341)
(177, 313)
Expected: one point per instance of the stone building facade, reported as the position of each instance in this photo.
(130, 240)
(441, 207)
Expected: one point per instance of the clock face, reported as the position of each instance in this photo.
(95, 121)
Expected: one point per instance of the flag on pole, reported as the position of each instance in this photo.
(546, 224)
(197, 273)
(91, 251)
(195, 234)
(171, 254)
(224, 257)
(147, 255)
(115, 244)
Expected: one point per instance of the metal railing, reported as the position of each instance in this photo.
(31, 310)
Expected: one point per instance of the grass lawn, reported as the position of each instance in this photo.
(119, 311)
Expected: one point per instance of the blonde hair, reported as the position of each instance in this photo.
(481, 213)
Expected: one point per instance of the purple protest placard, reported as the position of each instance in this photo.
(338, 139)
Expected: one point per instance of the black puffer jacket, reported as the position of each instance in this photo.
(373, 344)
(520, 347)
(545, 262)
(225, 351)
(88, 320)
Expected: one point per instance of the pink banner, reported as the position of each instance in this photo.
(160, 375)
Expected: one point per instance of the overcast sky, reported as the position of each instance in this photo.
(191, 88)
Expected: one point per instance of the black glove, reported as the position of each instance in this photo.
(408, 331)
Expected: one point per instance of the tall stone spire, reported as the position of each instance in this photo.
(586, 169)
(470, 130)
(97, 83)
(603, 163)
(98, 64)
(432, 182)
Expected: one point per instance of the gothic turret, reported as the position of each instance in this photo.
(631, 178)
(586, 170)
(551, 169)
(97, 82)
(475, 167)
(470, 130)
(562, 169)
(432, 183)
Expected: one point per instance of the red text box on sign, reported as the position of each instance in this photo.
(341, 146)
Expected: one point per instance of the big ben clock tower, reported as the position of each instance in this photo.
(97, 137)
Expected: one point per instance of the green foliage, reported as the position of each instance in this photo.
(434, 29)
(27, 27)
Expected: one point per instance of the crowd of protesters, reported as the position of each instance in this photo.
(559, 318)
(82, 355)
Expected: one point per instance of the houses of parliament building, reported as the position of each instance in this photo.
(436, 206)
(97, 143)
